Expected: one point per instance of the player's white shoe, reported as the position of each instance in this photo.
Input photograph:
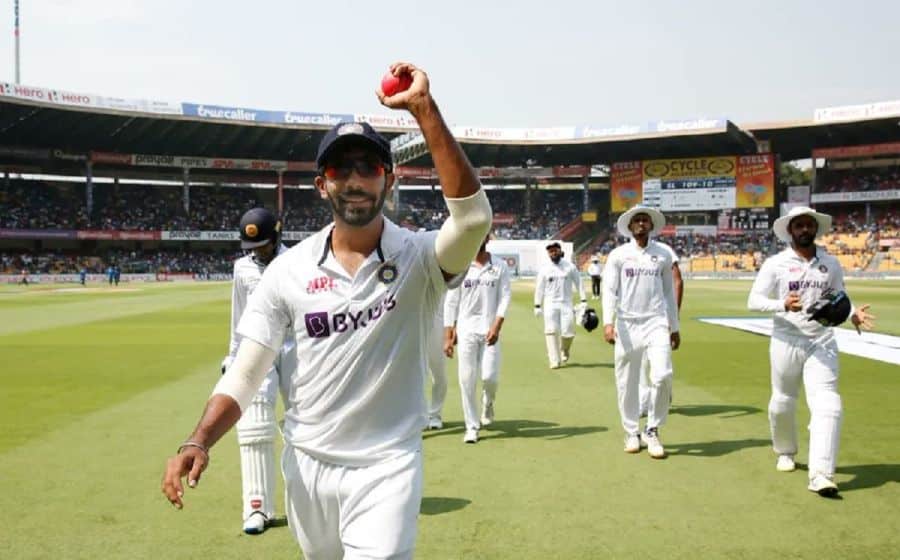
(256, 523)
(785, 463)
(435, 423)
(471, 436)
(823, 486)
(654, 446)
(554, 365)
(487, 415)
(564, 356)
(632, 443)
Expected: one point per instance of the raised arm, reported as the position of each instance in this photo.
(470, 212)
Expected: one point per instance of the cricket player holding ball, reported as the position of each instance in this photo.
(358, 299)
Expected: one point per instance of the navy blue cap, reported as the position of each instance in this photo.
(353, 132)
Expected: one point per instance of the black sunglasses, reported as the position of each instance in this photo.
(366, 168)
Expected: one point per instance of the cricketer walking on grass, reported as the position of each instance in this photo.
(555, 284)
(473, 315)
(640, 316)
(358, 298)
(260, 233)
(802, 349)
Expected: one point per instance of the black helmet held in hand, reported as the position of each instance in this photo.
(589, 320)
(831, 309)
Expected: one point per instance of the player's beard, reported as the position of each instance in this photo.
(804, 240)
(556, 259)
(353, 215)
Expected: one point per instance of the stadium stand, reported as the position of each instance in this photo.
(540, 182)
(855, 180)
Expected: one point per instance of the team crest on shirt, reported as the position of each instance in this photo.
(823, 268)
(387, 273)
(654, 258)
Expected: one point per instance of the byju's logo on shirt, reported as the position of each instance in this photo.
(479, 282)
(320, 325)
(636, 272)
(794, 285)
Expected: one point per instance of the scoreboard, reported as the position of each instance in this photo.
(688, 184)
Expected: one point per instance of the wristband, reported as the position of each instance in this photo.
(202, 448)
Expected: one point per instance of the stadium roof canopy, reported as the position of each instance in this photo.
(589, 145)
(797, 140)
(57, 132)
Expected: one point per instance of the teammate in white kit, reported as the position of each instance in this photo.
(260, 231)
(595, 271)
(474, 314)
(358, 297)
(801, 349)
(644, 387)
(437, 370)
(639, 292)
(556, 282)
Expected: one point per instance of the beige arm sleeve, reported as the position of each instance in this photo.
(461, 235)
(242, 380)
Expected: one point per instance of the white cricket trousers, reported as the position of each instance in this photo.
(633, 339)
(353, 513)
(475, 356)
(438, 370)
(815, 363)
(559, 319)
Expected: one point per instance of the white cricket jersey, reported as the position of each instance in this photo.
(482, 297)
(357, 397)
(638, 285)
(556, 283)
(594, 269)
(789, 272)
(671, 251)
(246, 276)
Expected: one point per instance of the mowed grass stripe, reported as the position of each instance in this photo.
(550, 481)
(46, 310)
(53, 376)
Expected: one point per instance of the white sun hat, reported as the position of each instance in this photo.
(659, 221)
(780, 227)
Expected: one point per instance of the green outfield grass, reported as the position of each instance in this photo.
(100, 386)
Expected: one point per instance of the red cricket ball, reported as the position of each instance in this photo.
(392, 85)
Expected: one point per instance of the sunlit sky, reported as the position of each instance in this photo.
(492, 63)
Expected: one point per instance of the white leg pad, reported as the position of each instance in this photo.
(256, 435)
